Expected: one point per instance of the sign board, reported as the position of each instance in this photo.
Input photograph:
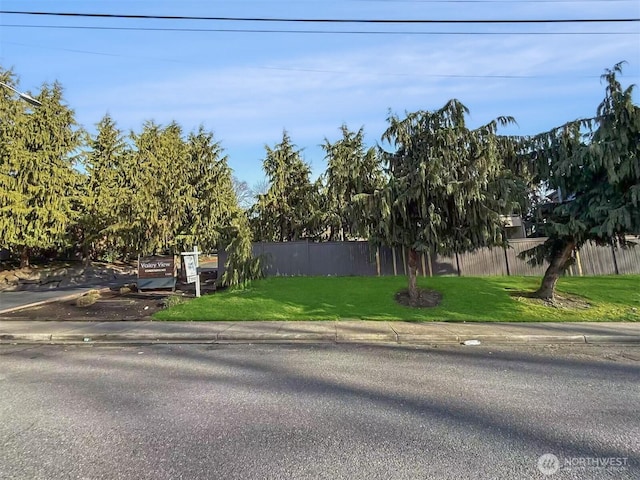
(190, 262)
(156, 272)
(156, 267)
(190, 268)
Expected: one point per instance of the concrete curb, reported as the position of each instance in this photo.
(524, 339)
(438, 339)
(245, 337)
(612, 339)
(25, 338)
(366, 338)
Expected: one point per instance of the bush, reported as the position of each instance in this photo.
(173, 300)
(87, 299)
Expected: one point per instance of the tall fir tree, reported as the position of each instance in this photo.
(161, 195)
(351, 169)
(289, 210)
(446, 189)
(38, 182)
(105, 220)
(594, 165)
(212, 202)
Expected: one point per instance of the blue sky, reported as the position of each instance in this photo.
(248, 86)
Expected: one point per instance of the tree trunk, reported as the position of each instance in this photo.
(86, 253)
(332, 233)
(24, 257)
(413, 271)
(86, 260)
(555, 269)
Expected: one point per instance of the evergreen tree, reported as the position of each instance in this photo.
(241, 266)
(214, 219)
(446, 189)
(594, 165)
(161, 190)
(38, 182)
(108, 190)
(351, 170)
(289, 210)
(212, 202)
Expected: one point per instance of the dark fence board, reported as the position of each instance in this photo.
(342, 258)
(359, 258)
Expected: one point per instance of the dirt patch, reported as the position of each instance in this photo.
(111, 306)
(426, 298)
(561, 301)
(64, 274)
(114, 305)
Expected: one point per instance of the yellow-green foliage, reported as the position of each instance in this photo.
(91, 297)
(241, 267)
(37, 176)
(173, 300)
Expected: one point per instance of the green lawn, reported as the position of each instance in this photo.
(481, 299)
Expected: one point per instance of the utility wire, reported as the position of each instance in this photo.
(318, 32)
(321, 20)
(496, 1)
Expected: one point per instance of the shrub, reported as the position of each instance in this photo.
(87, 299)
(173, 300)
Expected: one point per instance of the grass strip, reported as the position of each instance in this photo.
(471, 299)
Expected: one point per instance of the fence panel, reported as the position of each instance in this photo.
(442, 265)
(359, 258)
(521, 267)
(222, 262)
(628, 259)
(483, 262)
(596, 260)
(386, 261)
(342, 258)
(287, 258)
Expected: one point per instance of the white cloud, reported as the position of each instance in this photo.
(312, 95)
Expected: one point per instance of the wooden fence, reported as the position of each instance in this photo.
(360, 258)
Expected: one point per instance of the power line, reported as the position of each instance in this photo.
(315, 32)
(351, 32)
(322, 20)
(496, 1)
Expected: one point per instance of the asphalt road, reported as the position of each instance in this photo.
(318, 411)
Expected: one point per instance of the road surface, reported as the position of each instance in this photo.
(319, 411)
